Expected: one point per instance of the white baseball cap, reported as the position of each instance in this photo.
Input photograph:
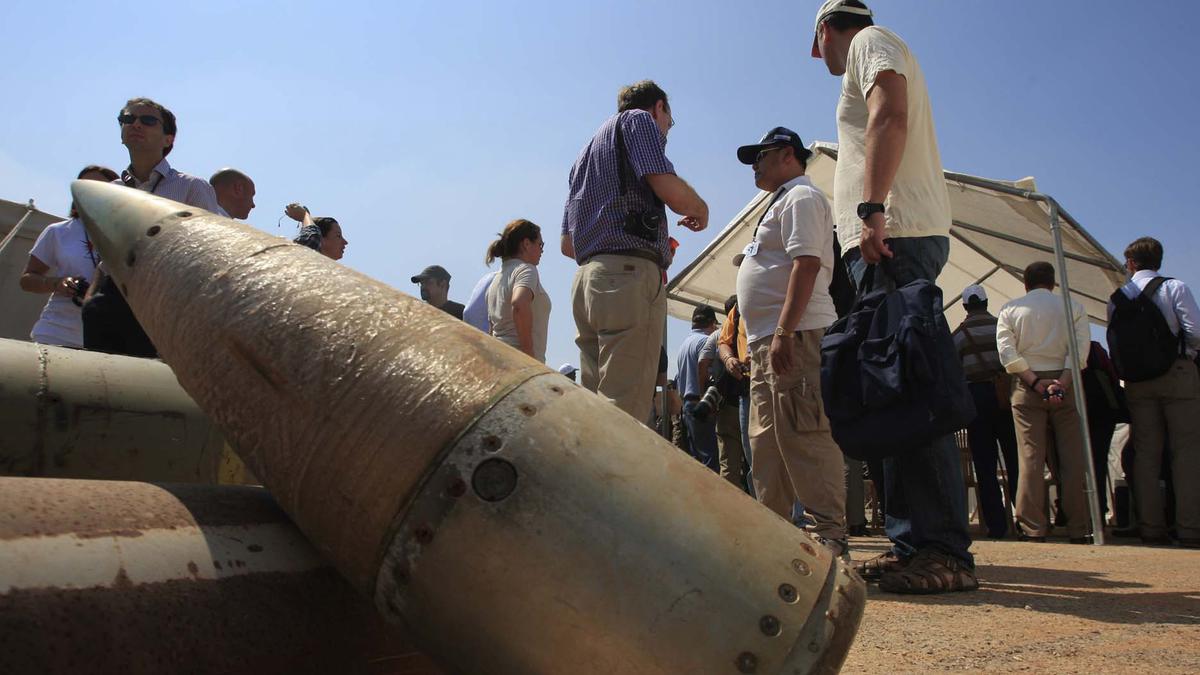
(974, 290)
(833, 7)
(567, 369)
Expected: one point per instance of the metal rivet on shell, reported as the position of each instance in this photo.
(801, 567)
(494, 479)
(130, 258)
(183, 214)
(492, 443)
(556, 389)
(769, 625)
(788, 593)
(153, 231)
(807, 548)
(424, 534)
(528, 410)
(747, 663)
(457, 487)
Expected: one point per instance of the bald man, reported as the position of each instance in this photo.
(235, 192)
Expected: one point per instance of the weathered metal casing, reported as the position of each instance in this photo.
(76, 414)
(120, 577)
(517, 524)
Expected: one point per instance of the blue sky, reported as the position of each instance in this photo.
(424, 127)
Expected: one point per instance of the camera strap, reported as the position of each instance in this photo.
(624, 166)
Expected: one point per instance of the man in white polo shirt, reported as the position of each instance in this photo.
(783, 295)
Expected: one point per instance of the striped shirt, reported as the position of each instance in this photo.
(975, 339)
(595, 212)
(166, 182)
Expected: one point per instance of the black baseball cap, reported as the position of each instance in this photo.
(432, 272)
(777, 137)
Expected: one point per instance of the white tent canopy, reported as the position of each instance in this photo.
(998, 229)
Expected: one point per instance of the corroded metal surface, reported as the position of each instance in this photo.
(555, 537)
(76, 414)
(514, 523)
(339, 390)
(118, 577)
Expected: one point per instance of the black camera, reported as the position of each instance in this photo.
(707, 404)
(81, 289)
(644, 225)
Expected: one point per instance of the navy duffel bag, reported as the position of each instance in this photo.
(891, 378)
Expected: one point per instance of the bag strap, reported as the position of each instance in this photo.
(622, 161)
(1148, 293)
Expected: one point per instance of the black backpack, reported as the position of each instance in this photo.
(1140, 342)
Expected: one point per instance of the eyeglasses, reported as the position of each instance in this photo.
(147, 120)
(764, 153)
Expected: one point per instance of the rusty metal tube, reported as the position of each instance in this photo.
(70, 413)
(122, 577)
(514, 523)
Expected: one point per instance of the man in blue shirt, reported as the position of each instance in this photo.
(615, 227)
(701, 421)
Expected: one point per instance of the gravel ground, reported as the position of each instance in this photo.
(1050, 607)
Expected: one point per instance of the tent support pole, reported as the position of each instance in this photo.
(1089, 471)
(12, 234)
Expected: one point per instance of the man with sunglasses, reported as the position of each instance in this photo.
(783, 281)
(615, 227)
(148, 133)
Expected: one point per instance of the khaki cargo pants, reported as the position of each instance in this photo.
(794, 455)
(620, 309)
(1035, 420)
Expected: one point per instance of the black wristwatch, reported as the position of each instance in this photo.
(865, 209)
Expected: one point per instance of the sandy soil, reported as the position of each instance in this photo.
(1050, 607)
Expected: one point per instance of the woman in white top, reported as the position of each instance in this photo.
(61, 263)
(518, 306)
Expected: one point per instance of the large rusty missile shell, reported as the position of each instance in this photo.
(121, 577)
(513, 522)
(69, 413)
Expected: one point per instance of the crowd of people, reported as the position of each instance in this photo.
(752, 407)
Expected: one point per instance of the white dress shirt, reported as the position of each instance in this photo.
(1031, 333)
(1175, 300)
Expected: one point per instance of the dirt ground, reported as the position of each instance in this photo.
(1052, 607)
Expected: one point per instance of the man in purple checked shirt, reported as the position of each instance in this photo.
(615, 227)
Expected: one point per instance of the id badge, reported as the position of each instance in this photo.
(750, 249)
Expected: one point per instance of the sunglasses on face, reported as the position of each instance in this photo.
(147, 120)
(764, 153)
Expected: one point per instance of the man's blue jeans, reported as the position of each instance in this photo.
(925, 503)
(702, 435)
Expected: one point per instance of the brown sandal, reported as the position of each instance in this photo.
(874, 568)
(930, 572)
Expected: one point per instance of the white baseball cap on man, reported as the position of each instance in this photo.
(833, 7)
(974, 291)
(567, 369)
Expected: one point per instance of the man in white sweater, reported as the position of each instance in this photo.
(1032, 338)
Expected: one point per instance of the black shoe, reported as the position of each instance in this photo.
(1189, 542)
(1082, 540)
(858, 531)
(1036, 540)
(1163, 540)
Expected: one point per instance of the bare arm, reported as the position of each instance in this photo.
(681, 199)
(35, 280)
(799, 291)
(522, 311)
(887, 132)
(702, 371)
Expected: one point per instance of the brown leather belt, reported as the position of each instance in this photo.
(632, 253)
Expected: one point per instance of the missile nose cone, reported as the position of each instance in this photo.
(117, 217)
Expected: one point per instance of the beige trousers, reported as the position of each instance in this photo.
(729, 443)
(620, 309)
(1035, 420)
(1166, 410)
(794, 456)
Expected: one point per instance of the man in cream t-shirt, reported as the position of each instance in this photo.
(783, 295)
(891, 206)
